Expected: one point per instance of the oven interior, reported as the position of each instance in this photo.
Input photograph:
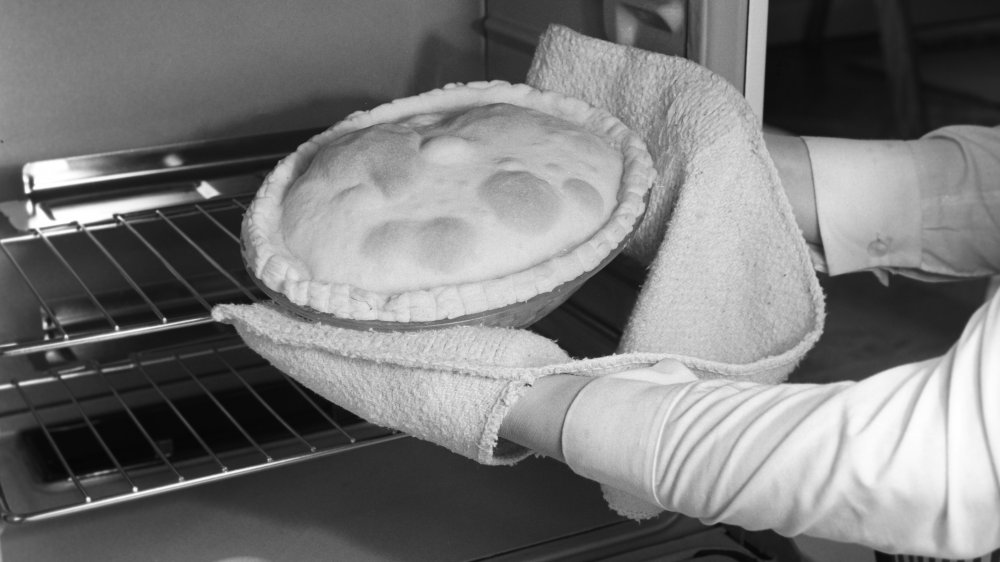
(116, 383)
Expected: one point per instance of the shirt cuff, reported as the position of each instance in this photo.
(612, 433)
(868, 203)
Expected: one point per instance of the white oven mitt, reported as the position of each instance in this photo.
(730, 293)
(731, 279)
(451, 386)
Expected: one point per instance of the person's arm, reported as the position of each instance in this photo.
(902, 461)
(905, 461)
(537, 419)
(791, 159)
(926, 208)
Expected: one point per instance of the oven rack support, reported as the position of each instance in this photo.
(160, 270)
(138, 273)
(98, 431)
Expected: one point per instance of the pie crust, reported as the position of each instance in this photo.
(310, 249)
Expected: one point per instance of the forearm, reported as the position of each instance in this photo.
(925, 208)
(536, 419)
(791, 159)
(906, 460)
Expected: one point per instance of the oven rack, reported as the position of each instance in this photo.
(147, 272)
(96, 435)
(135, 274)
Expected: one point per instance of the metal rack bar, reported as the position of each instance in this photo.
(46, 514)
(120, 366)
(216, 222)
(157, 482)
(191, 307)
(138, 424)
(253, 442)
(52, 442)
(285, 424)
(201, 251)
(121, 270)
(97, 435)
(163, 260)
(135, 218)
(142, 329)
(34, 290)
(4, 502)
(76, 276)
(161, 474)
(180, 416)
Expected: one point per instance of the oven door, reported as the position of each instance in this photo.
(404, 500)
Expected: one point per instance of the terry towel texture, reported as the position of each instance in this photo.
(450, 386)
(732, 281)
(730, 293)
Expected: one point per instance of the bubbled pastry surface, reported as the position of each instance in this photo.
(451, 197)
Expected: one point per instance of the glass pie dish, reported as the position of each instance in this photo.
(517, 315)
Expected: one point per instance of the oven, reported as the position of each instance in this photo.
(131, 425)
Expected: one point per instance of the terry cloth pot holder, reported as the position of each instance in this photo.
(730, 293)
(731, 280)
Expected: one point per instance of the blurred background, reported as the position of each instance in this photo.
(883, 70)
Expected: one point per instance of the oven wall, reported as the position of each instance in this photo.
(514, 26)
(100, 75)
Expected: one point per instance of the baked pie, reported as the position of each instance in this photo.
(447, 205)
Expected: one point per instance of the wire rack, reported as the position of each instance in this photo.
(189, 405)
(158, 423)
(138, 273)
(88, 429)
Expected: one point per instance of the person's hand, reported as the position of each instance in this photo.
(536, 420)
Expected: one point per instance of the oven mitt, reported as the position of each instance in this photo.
(731, 279)
(730, 293)
(450, 386)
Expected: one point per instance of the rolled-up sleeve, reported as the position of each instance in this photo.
(928, 208)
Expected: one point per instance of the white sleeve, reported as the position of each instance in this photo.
(926, 208)
(907, 460)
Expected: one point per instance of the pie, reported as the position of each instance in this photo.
(461, 200)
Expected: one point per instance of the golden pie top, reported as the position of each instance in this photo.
(445, 204)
